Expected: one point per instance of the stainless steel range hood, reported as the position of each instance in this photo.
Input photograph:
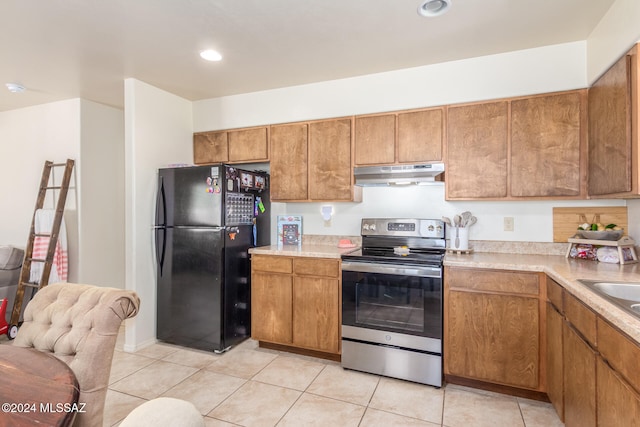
(398, 175)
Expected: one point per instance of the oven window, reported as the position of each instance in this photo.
(405, 304)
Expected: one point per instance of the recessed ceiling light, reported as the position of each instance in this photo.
(210, 55)
(15, 88)
(431, 8)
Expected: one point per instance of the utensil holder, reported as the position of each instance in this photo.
(460, 238)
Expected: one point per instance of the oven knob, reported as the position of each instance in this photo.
(365, 226)
(430, 228)
(373, 227)
(439, 228)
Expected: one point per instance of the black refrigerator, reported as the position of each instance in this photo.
(207, 218)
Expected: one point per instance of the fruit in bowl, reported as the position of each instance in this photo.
(598, 231)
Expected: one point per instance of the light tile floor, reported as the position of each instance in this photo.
(250, 386)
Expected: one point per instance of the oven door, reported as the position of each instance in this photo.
(393, 305)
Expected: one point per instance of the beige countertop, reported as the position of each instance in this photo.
(306, 250)
(566, 272)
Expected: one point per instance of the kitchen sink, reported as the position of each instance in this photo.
(625, 295)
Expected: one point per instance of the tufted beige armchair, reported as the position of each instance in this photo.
(79, 324)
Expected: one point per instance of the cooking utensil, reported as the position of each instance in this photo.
(446, 220)
(472, 220)
(457, 243)
(465, 217)
(456, 220)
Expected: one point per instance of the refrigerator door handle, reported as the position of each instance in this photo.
(160, 254)
(161, 204)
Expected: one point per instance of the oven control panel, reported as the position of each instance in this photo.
(433, 228)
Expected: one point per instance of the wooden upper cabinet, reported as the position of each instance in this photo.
(610, 139)
(420, 136)
(231, 146)
(403, 137)
(249, 145)
(289, 162)
(375, 139)
(210, 147)
(477, 146)
(546, 145)
(330, 172)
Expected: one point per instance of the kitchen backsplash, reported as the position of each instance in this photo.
(316, 239)
(538, 248)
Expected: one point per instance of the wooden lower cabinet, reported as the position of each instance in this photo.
(555, 381)
(271, 299)
(618, 404)
(579, 380)
(494, 338)
(492, 327)
(295, 302)
(592, 380)
(316, 313)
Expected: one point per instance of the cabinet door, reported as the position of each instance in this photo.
(620, 351)
(248, 145)
(610, 165)
(477, 151)
(316, 313)
(420, 136)
(494, 338)
(330, 171)
(375, 138)
(579, 380)
(289, 162)
(210, 147)
(618, 403)
(555, 388)
(271, 298)
(546, 142)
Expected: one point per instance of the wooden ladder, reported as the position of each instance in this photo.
(24, 281)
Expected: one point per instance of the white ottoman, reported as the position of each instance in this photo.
(164, 411)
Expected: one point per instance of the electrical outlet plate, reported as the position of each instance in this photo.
(508, 223)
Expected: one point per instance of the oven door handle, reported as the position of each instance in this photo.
(389, 269)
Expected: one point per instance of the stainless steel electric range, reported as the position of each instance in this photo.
(392, 300)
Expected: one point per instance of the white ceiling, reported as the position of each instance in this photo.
(60, 49)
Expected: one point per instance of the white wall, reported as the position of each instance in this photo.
(101, 172)
(547, 69)
(29, 137)
(158, 131)
(614, 35)
(533, 221)
(92, 135)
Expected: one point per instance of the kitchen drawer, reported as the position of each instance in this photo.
(317, 267)
(581, 317)
(512, 282)
(554, 294)
(621, 352)
(273, 264)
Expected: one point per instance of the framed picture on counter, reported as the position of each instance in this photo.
(290, 230)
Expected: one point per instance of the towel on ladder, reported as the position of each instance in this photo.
(59, 268)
